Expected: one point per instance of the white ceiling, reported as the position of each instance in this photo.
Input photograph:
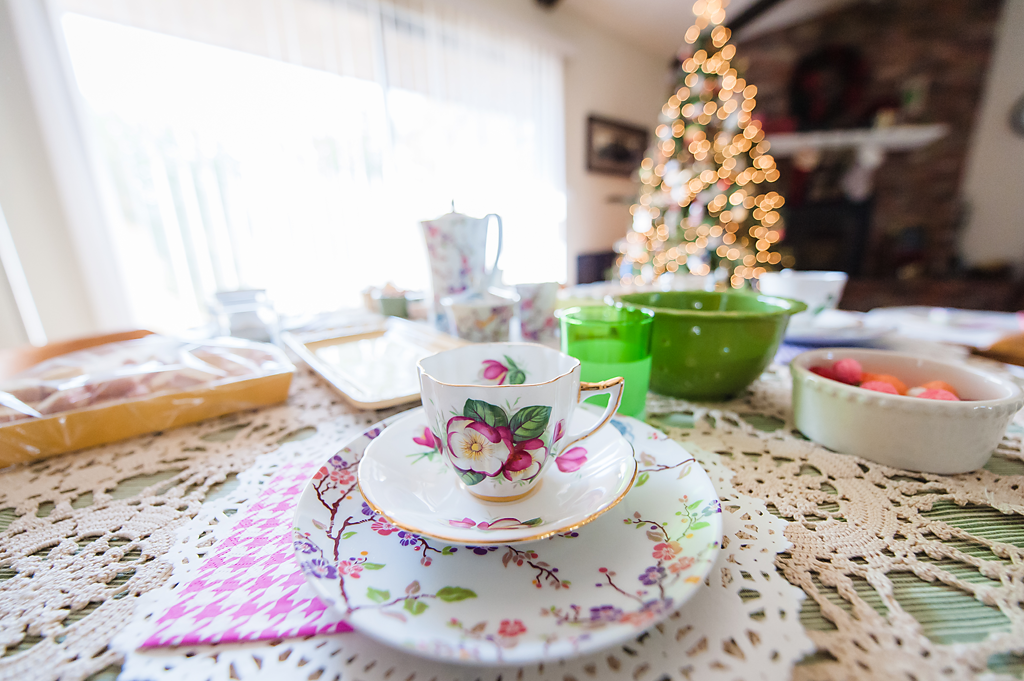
(657, 26)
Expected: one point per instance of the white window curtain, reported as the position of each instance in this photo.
(294, 145)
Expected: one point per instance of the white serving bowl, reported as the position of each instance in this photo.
(932, 436)
(820, 290)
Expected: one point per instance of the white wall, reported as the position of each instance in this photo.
(604, 75)
(994, 182)
(12, 331)
(33, 207)
(612, 79)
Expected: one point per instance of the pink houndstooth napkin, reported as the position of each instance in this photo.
(251, 588)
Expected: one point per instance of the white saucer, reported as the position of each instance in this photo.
(835, 327)
(570, 595)
(404, 478)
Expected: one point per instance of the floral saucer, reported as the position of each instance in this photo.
(404, 478)
(573, 594)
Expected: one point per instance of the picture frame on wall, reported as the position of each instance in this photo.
(1017, 117)
(614, 147)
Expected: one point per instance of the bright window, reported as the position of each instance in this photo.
(227, 168)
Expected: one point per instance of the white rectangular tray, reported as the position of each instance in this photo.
(372, 365)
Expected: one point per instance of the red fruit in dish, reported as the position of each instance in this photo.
(824, 372)
(879, 386)
(848, 371)
(940, 385)
(900, 386)
(939, 394)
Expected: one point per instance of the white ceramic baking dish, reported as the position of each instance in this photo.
(915, 434)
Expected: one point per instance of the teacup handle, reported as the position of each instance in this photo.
(613, 388)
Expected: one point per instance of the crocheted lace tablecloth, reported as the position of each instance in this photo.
(743, 624)
(84, 534)
(908, 575)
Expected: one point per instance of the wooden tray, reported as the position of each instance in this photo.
(372, 365)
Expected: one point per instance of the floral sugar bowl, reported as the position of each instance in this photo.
(536, 308)
(481, 317)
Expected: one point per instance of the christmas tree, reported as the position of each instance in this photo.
(700, 206)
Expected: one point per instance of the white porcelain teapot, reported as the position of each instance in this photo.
(457, 250)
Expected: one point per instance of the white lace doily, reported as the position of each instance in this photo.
(744, 624)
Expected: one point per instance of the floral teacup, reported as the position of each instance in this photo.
(537, 310)
(499, 412)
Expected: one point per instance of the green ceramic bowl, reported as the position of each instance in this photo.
(710, 346)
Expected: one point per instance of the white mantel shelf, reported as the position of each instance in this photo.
(895, 138)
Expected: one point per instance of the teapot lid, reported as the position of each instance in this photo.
(454, 217)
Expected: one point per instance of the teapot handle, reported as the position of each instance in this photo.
(497, 255)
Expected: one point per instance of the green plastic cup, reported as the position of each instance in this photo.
(609, 342)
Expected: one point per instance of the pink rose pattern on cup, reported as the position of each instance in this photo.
(498, 373)
(475, 448)
(487, 441)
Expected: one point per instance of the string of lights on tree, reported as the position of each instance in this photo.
(699, 183)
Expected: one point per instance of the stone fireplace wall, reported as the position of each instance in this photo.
(938, 48)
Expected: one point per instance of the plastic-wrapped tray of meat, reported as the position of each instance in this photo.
(118, 390)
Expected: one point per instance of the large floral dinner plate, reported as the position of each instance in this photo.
(404, 478)
(568, 595)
